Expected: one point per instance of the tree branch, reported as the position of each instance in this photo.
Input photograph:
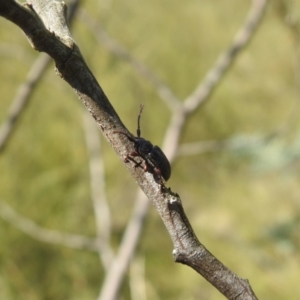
(53, 37)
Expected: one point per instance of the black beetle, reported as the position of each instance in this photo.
(155, 160)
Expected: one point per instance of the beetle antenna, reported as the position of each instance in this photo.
(139, 116)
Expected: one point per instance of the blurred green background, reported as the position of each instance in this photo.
(243, 201)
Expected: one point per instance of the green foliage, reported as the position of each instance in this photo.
(243, 202)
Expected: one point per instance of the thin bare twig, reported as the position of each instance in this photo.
(22, 97)
(26, 89)
(114, 277)
(37, 232)
(97, 181)
(120, 51)
(226, 59)
(213, 78)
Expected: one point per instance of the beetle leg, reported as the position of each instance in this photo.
(129, 157)
(159, 179)
(133, 154)
(158, 173)
(146, 167)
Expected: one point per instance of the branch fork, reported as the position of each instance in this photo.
(44, 23)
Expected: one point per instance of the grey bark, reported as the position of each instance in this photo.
(44, 23)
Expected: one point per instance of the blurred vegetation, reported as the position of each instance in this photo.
(243, 201)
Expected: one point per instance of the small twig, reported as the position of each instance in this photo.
(26, 89)
(226, 59)
(120, 51)
(97, 180)
(114, 277)
(212, 79)
(37, 232)
(22, 97)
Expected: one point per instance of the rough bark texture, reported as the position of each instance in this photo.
(44, 23)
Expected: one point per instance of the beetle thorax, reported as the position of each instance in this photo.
(143, 147)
